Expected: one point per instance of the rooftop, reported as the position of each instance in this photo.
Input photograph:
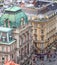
(7, 43)
(37, 4)
(14, 15)
(41, 3)
(4, 29)
(13, 9)
(42, 11)
(52, 6)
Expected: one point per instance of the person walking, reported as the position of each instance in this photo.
(42, 63)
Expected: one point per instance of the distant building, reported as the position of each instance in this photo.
(43, 17)
(15, 36)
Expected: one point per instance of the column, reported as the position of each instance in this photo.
(0, 35)
(7, 37)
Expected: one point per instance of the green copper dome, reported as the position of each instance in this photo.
(13, 15)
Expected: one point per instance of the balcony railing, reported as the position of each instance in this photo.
(40, 41)
(5, 42)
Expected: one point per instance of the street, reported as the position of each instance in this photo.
(50, 61)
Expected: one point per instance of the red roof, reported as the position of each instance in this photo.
(10, 63)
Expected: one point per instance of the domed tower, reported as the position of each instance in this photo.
(12, 17)
(16, 19)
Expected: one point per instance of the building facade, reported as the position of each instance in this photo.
(20, 50)
(7, 44)
(43, 19)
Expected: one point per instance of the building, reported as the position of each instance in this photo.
(16, 39)
(42, 16)
(7, 44)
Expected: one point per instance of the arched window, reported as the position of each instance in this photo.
(7, 23)
(22, 21)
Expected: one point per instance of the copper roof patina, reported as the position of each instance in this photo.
(15, 8)
(13, 15)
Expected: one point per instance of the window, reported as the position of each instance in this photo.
(35, 26)
(22, 53)
(42, 47)
(35, 30)
(22, 21)
(2, 49)
(42, 31)
(27, 49)
(19, 41)
(42, 37)
(2, 58)
(12, 55)
(42, 26)
(35, 36)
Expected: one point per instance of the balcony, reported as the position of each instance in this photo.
(22, 61)
(7, 43)
(6, 36)
(25, 58)
(38, 41)
(29, 55)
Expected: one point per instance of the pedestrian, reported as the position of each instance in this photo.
(42, 63)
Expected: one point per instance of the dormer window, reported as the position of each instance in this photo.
(22, 21)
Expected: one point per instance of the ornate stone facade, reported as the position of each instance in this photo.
(20, 50)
